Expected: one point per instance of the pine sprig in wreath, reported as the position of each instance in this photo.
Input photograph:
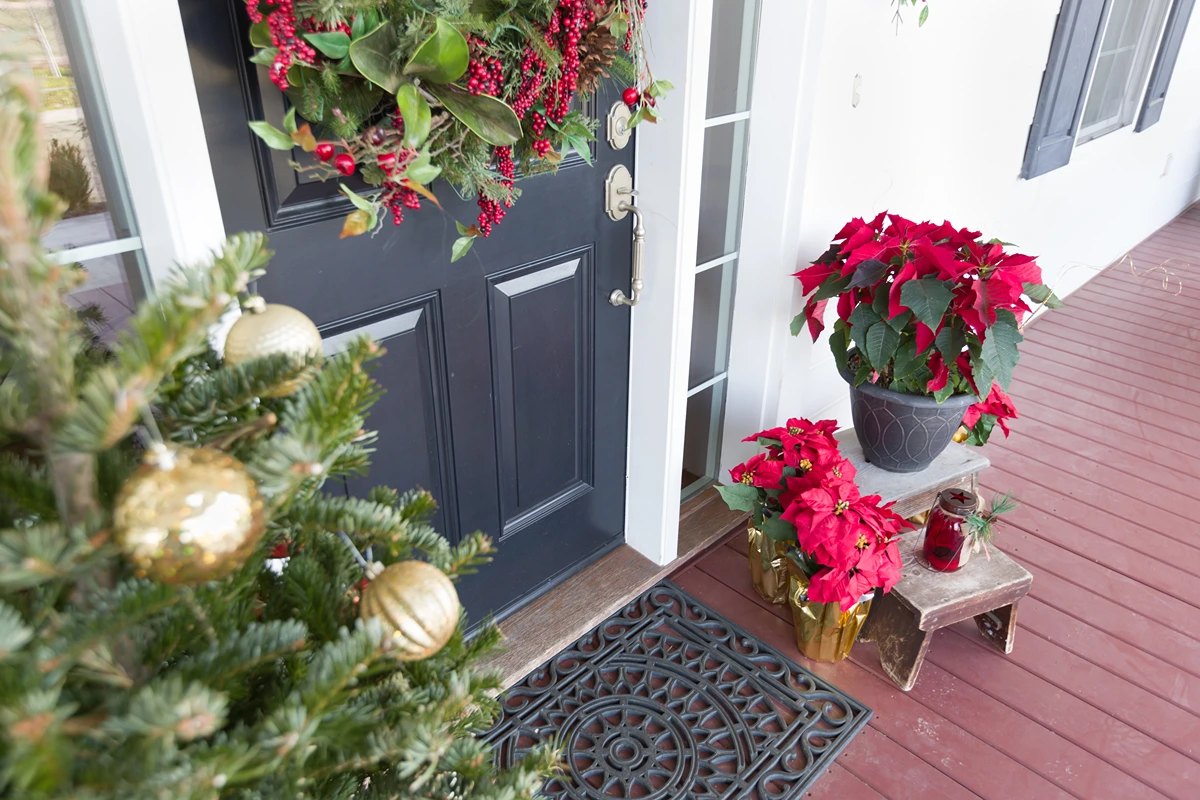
(981, 525)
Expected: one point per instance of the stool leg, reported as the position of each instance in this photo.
(999, 627)
(901, 643)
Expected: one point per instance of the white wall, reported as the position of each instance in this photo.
(940, 133)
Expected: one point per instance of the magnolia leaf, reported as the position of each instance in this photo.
(275, 138)
(423, 191)
(360, 202)
(260, 34)
(357, 223)
(304, 137)
(637, 118)
(579, 146)
(928, 298)
(868, 273)
(490, 119)
(1041, 293)
(797, 324)
(998, 355)
(442, 58)
(619, 26)
(372, 56)
(649, 114)
(415, 112)
(924, 16)
(882, 341)
(660, 88)
(422, 170)
(289, 120)
(264, 56)
(332, 44)
(779, 530)
(462, 229)
(462, 246)
(739, 496)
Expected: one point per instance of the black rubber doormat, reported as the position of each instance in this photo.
(668, 699)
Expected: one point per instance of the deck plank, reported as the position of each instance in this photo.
(1101, 695)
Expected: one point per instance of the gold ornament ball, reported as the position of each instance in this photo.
(188, 515)
(417, 605)
(272, 329)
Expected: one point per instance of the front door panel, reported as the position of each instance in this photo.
(506, 373)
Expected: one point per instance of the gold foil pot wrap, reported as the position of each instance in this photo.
(823, 631)
(768, 565)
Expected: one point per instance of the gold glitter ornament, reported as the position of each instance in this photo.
(188, 515)
(267, 329)
(418, 606)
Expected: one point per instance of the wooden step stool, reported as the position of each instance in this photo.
(903, 621)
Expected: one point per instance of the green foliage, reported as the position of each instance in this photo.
(69, 176)
(265, 684)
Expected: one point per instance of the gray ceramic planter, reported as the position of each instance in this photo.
(903, 432)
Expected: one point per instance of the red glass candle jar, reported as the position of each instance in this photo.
(945, 533)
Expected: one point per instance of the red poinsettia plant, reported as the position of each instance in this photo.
(925, 308)
(801, 491)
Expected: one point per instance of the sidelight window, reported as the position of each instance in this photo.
(722, 189)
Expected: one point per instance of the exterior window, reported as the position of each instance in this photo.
(97, 234)
(1130, 38)
(726, 138)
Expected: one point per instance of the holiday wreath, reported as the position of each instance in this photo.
(406, 91)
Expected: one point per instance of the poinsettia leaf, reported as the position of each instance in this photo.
(358, 200)
(864, 374)
(840, 348)
(264, 56)
(832, 287)
(260, 34)
(900, 321)
(797, 324)
(998, 354)
(907, 361)
(490, 119)
(275, 138)
(779, 530)
(739, 496)
(462, 246)
(861, 321)
(868, 273)
(414, 110)
(945, 393)
(882, 341)
(1041, 293)
(372, 56)
(332, 44)
(928, 298)
(982, 431)
(950, 342)
(442, 58)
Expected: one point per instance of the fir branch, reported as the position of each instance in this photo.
(225, 665)
(26, 486)
(224, 391)
(365, 521)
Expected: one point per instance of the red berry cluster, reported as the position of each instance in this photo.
(533, 71)
(397, 197)
(312, 25)
(281, 21)
(485, 75)
(570, 19)
(491, 211)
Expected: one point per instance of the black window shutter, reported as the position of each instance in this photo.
(1164, 64)
(1064, 85)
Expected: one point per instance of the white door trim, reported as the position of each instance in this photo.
(142, 57)
(670, 157)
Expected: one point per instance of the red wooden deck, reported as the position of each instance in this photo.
(1101, 697)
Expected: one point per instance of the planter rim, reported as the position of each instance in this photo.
(917, 400)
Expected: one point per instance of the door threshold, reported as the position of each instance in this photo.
(560, 616)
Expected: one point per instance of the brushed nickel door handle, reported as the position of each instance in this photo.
(618, 193)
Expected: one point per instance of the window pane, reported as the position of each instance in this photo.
(702, 435)
(1121, 66)
(730, 56)
(721, 190)
(105, 300)
(710, 323)
(83, 171)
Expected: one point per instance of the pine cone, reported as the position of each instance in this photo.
(597, 49)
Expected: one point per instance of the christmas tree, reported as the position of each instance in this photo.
(149, 645)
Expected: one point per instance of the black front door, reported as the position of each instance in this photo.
(506, 372)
